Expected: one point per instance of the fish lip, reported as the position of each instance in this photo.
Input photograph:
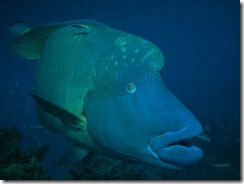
(167, 146)
(189, 156)
(166, 139)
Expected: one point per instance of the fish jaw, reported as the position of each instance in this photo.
(172, 149)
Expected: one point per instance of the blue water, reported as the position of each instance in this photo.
(200, 41)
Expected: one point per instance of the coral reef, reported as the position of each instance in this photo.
(98, 167)
(16, 164)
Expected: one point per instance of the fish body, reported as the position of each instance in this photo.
(101, 87)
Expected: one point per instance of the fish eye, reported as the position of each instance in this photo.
(131, 88)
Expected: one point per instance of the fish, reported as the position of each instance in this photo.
(204, 137)
(221, 165)
(103, 90)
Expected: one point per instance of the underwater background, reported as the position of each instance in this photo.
(200, 41)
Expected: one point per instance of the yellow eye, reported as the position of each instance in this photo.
(131, 88)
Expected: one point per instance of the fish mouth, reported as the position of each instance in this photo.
(174, 149)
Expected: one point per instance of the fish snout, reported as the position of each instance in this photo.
(172, 147)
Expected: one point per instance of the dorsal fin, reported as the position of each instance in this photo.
(30, 45)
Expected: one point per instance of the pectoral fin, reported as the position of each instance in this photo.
(68, 118)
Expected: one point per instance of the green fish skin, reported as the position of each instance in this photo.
(101, 88)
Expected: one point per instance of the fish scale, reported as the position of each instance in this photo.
(102, 88)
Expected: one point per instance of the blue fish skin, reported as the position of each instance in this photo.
(108, 84)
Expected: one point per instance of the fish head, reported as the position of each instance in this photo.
(131, 114)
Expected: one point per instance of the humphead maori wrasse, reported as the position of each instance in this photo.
(101, 88)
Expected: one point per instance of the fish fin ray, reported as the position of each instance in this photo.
(49, 128)
(30, 44)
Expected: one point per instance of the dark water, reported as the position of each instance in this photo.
(200, 43)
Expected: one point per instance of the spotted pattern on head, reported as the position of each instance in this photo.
(137, 50)
(129, 57)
